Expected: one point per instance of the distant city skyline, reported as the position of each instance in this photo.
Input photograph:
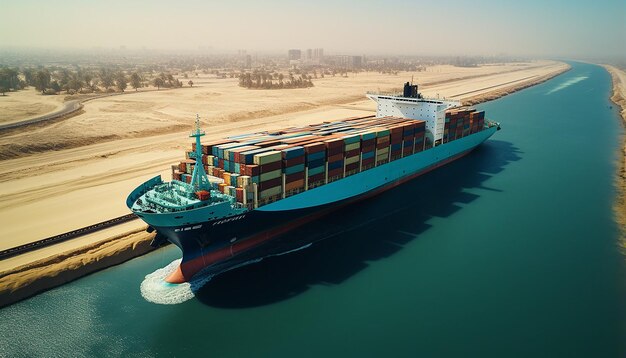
(395, 27)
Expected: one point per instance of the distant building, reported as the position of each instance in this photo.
(357, 62)
(318, 54)
(294, 54)
(248, 61)
(309, 54)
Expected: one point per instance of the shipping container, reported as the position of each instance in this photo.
(267, 157)
(270, 175)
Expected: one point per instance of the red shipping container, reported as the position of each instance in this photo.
(334, 143)
(352, 166)
(335, 158)
(352, 153)
(270, 183)
(252, 170)
(335, 172)
(220, 163)
(335, 151)
(270, 167)
(382, 145)
(293, 161)
(314, 147)
(317, 177)
(369, 142)
(368, 161)
(239, 195)
(369, 148)
(203, 195)
(293, 177)
(298, 184)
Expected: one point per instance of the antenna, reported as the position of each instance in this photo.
(411, 80)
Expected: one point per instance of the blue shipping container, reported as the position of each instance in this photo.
(316, 163)
(317, 170)
(293, 152)
(316, 156)
(335, 165)
(367, 155)
(294, 169)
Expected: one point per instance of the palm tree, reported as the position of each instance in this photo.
(158, 82)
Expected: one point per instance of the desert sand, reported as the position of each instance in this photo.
(27, 104)
(76, 172)
(619, 98)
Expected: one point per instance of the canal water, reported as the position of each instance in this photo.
(511, 251)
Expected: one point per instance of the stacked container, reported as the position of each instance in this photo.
(335, 159)
(382, 146)
(420, 136)
(368, 150)
(269, 165)
(352, 150)
(260, 168)
(293, 160)
(396, 142)
(315, 156)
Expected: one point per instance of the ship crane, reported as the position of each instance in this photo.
(199, 180)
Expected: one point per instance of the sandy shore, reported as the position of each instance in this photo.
(27, 280)
(619, 98)
(121, 141)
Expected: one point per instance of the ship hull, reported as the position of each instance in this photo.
(213, 245)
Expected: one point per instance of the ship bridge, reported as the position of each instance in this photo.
(411, 104)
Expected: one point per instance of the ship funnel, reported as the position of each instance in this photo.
(410, 91)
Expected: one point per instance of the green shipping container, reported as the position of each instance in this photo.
(267, 157)
(271, 192)
(271, 175)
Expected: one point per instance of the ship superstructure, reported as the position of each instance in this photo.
(261, 185)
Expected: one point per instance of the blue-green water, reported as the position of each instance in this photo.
(509, 252)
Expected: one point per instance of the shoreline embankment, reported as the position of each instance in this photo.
(501, 92)
(28, 280)
(619, 98)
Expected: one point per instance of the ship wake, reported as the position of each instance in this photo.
(567, 83)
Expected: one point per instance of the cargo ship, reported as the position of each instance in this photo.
(229, 197)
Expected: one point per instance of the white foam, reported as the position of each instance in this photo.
(567, 83)
(294, 250)
(155, 289)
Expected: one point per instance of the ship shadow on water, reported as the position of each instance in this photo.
(347, 240)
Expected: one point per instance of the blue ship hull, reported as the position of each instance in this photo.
(215, 244)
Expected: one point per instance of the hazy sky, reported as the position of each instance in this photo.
(593, 28)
